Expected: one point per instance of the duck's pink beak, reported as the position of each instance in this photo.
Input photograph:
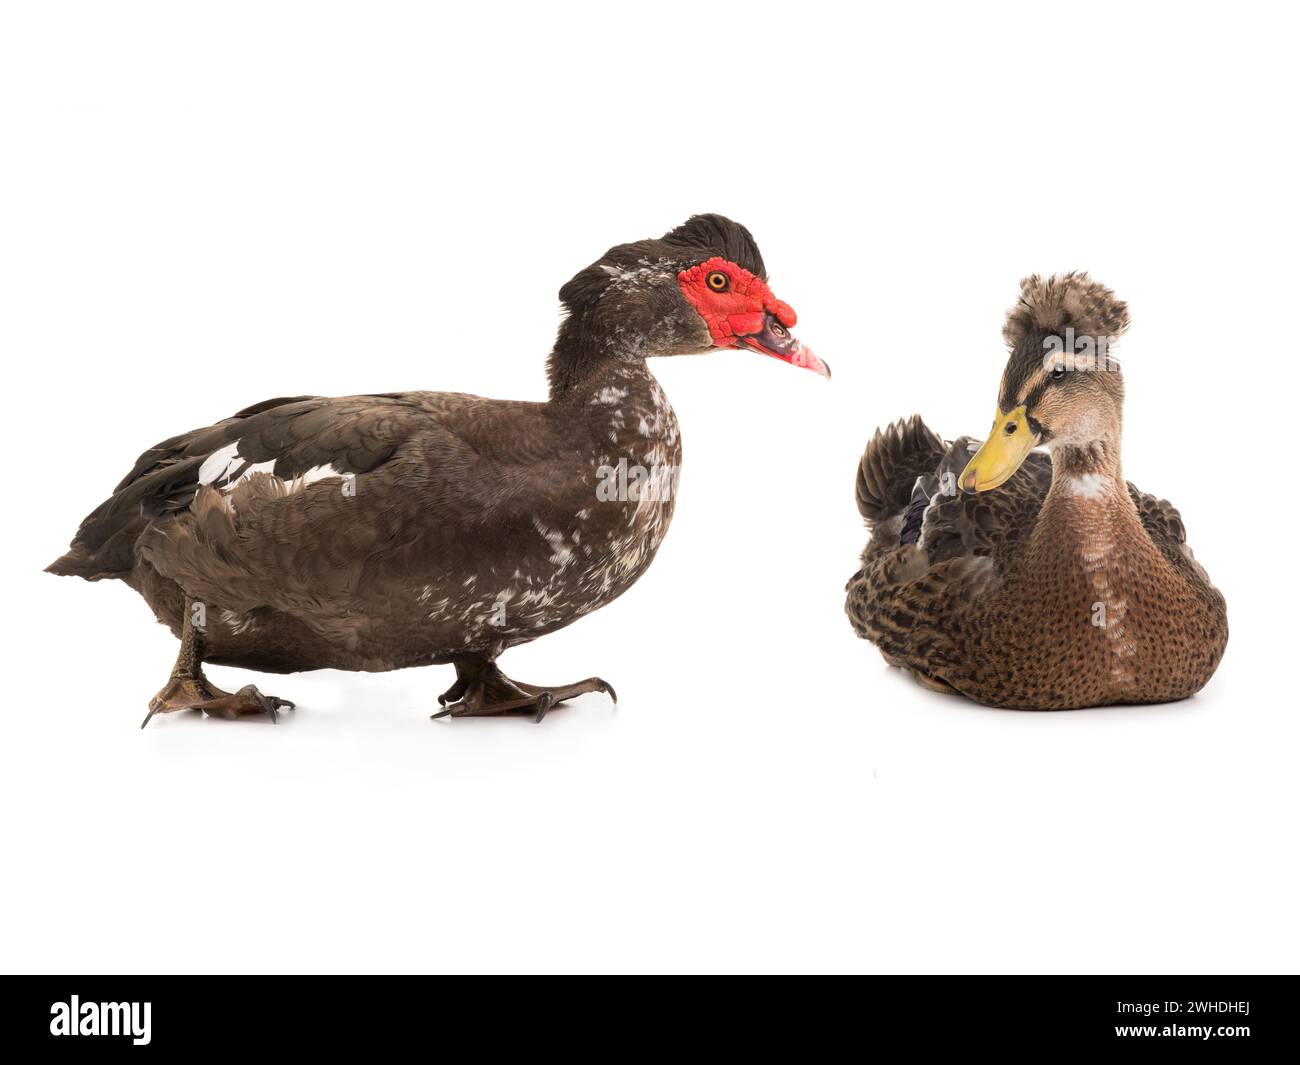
(776, 340)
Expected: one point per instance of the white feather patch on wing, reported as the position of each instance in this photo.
(317, 473)
(219, 470)
(220, 464)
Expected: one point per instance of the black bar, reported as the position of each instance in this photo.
(553, 1015)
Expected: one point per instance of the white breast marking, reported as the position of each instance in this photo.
(1089, 485)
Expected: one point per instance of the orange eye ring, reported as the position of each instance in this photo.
(718, 281)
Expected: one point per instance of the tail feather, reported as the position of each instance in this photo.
(63, 566)
(77, 562)
(894, 459)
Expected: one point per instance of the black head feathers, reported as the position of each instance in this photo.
(713, 234)
(701, 237)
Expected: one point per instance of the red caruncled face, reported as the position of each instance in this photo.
(739, 309)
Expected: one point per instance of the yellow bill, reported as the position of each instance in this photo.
(1009, 442)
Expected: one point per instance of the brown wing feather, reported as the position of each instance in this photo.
(889, 467)
(441, 445)
(1161, 520)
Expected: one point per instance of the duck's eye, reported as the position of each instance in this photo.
(718, 281)
(1058, 373)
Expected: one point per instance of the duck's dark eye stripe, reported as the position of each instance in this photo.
(1035, 394)
(1035, 426)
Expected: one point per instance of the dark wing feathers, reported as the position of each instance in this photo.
(1159, 517)
(1162, 522)
(986, 523)
(429, 492)
(890, 466)
(199, 442)
(267, 404)
(353, 435)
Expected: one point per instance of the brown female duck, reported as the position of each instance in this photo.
(384, 531)
(1030, 580)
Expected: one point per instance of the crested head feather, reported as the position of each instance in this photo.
(1064, 301)
(714, 234)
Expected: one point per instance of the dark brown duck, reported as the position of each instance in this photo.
(402, 529)
(1031, 580)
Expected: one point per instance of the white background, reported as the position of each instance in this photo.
(207, 205)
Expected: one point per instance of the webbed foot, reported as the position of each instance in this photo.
(482, 690)
(198, 693)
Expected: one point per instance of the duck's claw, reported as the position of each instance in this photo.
(453, 693)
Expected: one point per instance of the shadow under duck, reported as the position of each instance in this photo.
(1030, 580)
(403, 529)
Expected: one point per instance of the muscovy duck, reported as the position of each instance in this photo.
(403, 529)
(1029, 580)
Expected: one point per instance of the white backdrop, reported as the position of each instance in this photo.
(202, 206)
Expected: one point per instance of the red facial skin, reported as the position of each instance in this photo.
(745, 312)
